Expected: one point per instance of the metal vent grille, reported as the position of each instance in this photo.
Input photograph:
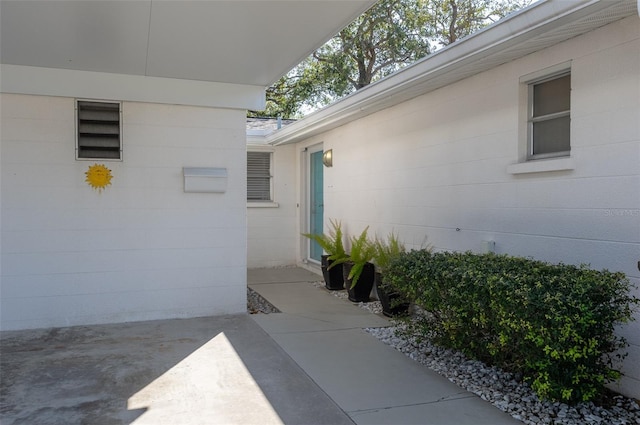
(99, 130)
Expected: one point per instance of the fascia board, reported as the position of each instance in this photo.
(136, 88)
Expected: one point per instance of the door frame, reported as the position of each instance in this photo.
(306, 196)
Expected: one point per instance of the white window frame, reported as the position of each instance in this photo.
(263, 203)
(528, 163)
(77, 131)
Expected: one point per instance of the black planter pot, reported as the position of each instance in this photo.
(362, 290)
(392, 303)
(333, 279)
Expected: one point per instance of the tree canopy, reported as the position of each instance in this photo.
(389, 36)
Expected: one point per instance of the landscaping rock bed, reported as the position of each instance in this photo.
(373, 306)
(257, 304)
(504, 391)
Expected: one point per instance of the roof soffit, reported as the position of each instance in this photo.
(238, 42)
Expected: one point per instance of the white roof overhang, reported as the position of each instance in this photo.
(539, 26)
(238, 46)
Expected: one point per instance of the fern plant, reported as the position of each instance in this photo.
(362, 252)
(385, 251)
(331, 243)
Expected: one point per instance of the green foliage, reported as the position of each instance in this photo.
(451, 20)
(331, 243)
(377, 43)
(389, 36)
(385, 251)
(554, 324)
(362, 252)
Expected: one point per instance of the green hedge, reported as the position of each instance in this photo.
(554, 324)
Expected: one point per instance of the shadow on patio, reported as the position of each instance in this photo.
(190, 371)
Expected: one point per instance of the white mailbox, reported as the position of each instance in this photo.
(205, 180)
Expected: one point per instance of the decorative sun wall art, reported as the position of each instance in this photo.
(98, 177)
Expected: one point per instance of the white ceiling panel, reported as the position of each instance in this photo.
(240, 42)
(85, 35)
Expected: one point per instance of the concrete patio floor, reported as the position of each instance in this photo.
(214, 370)
(311, 364)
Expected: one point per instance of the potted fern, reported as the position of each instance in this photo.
(393, 304)
(358, 270)
(334, 257)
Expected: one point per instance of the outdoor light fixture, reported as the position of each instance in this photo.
(327, 158)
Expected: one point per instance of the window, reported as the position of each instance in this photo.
(549, 117)
(259, 176)
(98, 130)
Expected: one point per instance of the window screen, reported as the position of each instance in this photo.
(550, 120)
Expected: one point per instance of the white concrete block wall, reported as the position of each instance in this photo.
(435, 169)
(142, 249)
(271, 227)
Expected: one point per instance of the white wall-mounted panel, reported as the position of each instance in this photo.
(205, 180)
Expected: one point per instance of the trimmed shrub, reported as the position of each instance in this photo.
(554, 324)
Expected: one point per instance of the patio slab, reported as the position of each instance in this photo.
(214, 370)
(281, 275)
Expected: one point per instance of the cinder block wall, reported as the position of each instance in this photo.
(271, 227)
(143, 248)
(436, 169)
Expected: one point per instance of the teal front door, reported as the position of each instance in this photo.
(316, 202)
